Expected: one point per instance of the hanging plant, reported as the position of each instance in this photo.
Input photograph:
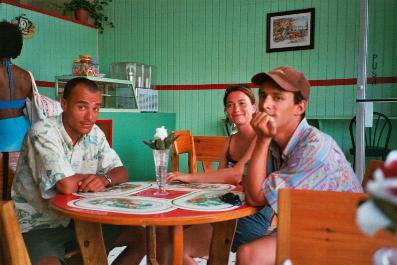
(95, 10)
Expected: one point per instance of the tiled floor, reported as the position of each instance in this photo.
(116, 251)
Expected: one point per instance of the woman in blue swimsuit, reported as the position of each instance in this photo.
(15, 87)
(239, 103)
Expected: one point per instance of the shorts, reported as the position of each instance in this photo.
(12, 132)
(252, 227)
(42, 243)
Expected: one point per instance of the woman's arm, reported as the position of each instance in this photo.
(223, 175)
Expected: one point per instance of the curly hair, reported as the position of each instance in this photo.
(11, 40)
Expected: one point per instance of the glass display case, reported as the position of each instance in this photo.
(116, 94)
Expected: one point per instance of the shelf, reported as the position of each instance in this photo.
(116, 94)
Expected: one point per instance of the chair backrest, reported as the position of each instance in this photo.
(12, 244)
(107, 127)
(319, 227)
(372, 165)
(208, 149)
(376, 137)
(183, 145)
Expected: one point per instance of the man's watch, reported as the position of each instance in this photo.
(108, 178)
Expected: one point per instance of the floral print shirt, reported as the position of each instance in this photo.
(312, 160)
(48, 156)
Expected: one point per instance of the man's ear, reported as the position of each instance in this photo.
(64, 104)
(301, 107)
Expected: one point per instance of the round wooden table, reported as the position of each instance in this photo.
(89, 234)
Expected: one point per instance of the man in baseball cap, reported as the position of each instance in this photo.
(287, 78)
(296, 155)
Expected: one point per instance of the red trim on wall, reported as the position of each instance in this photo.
(45, 83)
(314, 83)
(334, 82)
(48, 13)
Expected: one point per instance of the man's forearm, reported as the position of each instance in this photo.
(257, 173)
(70, 184)
(118, 175)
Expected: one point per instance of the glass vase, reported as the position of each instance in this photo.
(385, 256)
(161, 166)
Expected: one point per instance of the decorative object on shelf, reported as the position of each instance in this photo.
(290, 30)
(93, 9)
(85, 66)
(161, 146)
(25, 25)
(380, 210)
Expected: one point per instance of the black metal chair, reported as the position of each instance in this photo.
(376, 137)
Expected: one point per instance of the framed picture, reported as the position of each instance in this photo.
(290, 30)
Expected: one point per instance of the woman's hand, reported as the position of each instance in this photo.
(178, 176)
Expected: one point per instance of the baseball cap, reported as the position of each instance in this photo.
(287, 78)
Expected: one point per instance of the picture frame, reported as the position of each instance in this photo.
(290, 30)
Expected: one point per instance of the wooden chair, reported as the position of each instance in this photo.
(204, 149)
(207, 150)
(372, 165)
(12, 244)
(8, 164)
(376, 137)
(107, 127)
(319, 227)
(183, 145)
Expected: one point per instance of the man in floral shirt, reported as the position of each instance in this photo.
(63, 154)
(303, 157)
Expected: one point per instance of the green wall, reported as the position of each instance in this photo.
(54, 46)
(51, 52)
(129, 131)
(194, 42)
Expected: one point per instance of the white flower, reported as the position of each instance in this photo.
(161, 133)
(370, 219)
(379, 211)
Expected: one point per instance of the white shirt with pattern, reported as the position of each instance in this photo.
(48, 156)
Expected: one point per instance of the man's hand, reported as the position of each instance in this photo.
(264, 125)
(92, 183)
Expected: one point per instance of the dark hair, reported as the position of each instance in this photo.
(10, 41)
(72, 83)
(242, 88)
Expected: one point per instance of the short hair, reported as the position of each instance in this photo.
(241, 88)
(11, 40)
(72, 83)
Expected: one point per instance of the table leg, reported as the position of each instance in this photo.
(177, 246)
(222, 238)
(90, 239)
(151, 247)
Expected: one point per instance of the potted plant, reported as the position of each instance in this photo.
(93, 8)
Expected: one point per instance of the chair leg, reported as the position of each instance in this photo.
(5, 175)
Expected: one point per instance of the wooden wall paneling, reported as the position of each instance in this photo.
(215, 42)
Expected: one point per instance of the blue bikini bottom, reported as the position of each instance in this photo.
(12, 132)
